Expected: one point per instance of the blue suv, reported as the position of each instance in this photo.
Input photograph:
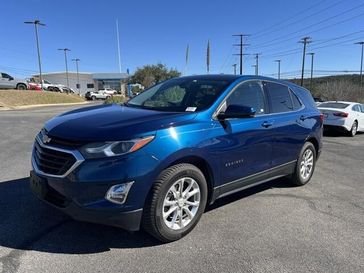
(158, 160)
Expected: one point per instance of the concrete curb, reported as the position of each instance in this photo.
(7, 108)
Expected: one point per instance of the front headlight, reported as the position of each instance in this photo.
(114, 148)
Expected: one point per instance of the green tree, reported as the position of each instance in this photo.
(149, 75)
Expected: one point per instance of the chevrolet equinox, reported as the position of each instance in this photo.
(157, 160)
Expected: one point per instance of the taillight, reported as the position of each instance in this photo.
(322, 117)
(341, 114)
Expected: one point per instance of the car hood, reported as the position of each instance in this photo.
(111, 123)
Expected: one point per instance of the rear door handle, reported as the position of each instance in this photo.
(267, 124)
(303, 118)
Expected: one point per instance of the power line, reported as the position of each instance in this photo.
(259, 34)
(281, 39)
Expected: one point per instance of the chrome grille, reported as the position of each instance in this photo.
(54, 161)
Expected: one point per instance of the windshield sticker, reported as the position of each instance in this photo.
(191, 109)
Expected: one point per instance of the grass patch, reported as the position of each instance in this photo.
(11, 98)
(115, 99)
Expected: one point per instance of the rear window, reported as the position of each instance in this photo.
(280, 97)
(338, 105)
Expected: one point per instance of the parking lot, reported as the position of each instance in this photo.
(269, 228)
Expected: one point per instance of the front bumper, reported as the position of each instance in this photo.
(102, 212)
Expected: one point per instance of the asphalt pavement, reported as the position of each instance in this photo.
(269, 228)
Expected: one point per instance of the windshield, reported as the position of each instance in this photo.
(181, 95)
(338, 105)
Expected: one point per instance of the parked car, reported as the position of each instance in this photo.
(34, 86)
(160, 159)
(9, 82)
(343, 115)
(109, 91)
(67, 90)
(96, 95)
(318, 101)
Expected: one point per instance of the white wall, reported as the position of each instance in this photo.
(60, 78)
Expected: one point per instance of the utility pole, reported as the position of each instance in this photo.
(279, 68)
(311, 78)
(78, 77)
(361, 62)
(65, 59)
(257, 63)
(234, 65)
(305, 40)
(118, 43)
(36, 23)
(241, 45)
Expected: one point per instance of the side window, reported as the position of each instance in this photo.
(296, 103)
(279, 97)
(249, 94)
(362, 108)
(356, 108)
(6, 76)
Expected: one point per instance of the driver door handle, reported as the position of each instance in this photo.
(267, 124)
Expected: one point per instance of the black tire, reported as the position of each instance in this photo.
(354, 129)
(153, 221)
(93, 98)
(297, 178)
(21, 86)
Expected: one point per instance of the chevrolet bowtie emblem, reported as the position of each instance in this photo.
(46, 139)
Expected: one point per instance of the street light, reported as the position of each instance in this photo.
(78, 78)
(36, 23)
(65, 59)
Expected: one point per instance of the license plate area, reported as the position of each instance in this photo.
(38, 185)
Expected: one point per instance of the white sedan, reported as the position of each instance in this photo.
(109, 91)
(348, 116)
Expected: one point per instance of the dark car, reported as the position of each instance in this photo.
(157, 161)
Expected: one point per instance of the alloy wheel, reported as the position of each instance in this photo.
(181, 203)
(306, 164)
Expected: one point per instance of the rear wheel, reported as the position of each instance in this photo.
(305, 165)
(176, 202)
(93, 97)
(354, 129)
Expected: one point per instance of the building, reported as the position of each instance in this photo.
(88, 81)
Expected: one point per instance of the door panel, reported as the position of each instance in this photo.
(244, 144)
(291, 124)
(244, 148)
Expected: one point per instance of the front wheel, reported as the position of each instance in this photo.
(176, 202)
(93, 98)
(305, 165)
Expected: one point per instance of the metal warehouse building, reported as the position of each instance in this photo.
(88, 81)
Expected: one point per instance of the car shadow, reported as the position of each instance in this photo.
(26, 223)
(338, 133)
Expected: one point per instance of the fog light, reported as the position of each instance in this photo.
(118, 193)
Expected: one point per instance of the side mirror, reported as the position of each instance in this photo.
(11, 79)
(236, 111)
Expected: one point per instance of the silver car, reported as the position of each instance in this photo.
(9, 82)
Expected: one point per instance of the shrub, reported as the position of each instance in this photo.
(115, 99)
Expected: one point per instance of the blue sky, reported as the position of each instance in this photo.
(159, 31)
